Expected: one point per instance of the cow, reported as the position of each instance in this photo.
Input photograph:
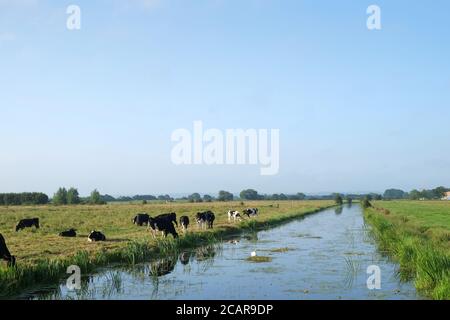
(5, 254)
(71, 233)
(95, 236)
(184, 221)
(205, 219)
(251, 212)
(164, 223)
(172, 217)
(140, 219)
(234, 214)
(27, 223)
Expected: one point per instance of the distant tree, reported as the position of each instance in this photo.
(300, 196)
(366, 203)
(25, 198)
(338, 199)
(439, 192)
(108, 198)
(225, 196)
(165, 197)
(249, 194)
(283, 197)
(73, 196)
(144, 201)
(391, 194)
(349, 199)
(207, 198)
(378, 197)
(96, 198)
(144, 197)
(414, 195)
(195, 197)
(60, 197)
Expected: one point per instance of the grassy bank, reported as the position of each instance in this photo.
(416, 234)
(43, 256)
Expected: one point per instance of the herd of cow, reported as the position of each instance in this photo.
(163, 223)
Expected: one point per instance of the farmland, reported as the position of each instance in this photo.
(416, 234)
(43, 256)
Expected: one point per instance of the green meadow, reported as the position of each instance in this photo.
(416, 234)
(43, 257)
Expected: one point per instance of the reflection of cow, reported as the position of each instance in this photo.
(141, 219)
(5, 254)
(185, 257)
(205, 219)
(184, 221)
(27, 223)
(251, 212)
(71, 233)
(163, 223)
(95, 236)
(162, 267)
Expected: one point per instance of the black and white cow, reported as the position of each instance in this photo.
(140, 219)
(251, 212)
(205, 219)
(71, 233)
(5, 254)
(164, 223)
(27, 223)
(184, 221)
(235, 215)
(95, 236)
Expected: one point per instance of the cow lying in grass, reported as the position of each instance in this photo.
(71, 233)
(27, 223)
(95, 236)
(5, 254)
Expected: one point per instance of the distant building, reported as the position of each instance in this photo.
(446, 196)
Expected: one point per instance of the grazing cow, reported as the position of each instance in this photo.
(172, 217)
(205, 219)
(141, 219)
(251, 212)
(27, 223)
(234, 214)
(95, 236)
(71, 233)
(164, 223)
(184, 221)
(5, 254)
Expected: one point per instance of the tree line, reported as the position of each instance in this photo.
(24, 198)
(426, 194)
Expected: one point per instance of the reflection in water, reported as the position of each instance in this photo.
(328, 256)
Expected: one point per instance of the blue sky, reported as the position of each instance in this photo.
(357, 110)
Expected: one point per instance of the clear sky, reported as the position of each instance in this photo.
(357, 110)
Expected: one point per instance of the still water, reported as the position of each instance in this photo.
(322, 256)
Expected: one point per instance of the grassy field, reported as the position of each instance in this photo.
(417, 235)
(43, 256)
